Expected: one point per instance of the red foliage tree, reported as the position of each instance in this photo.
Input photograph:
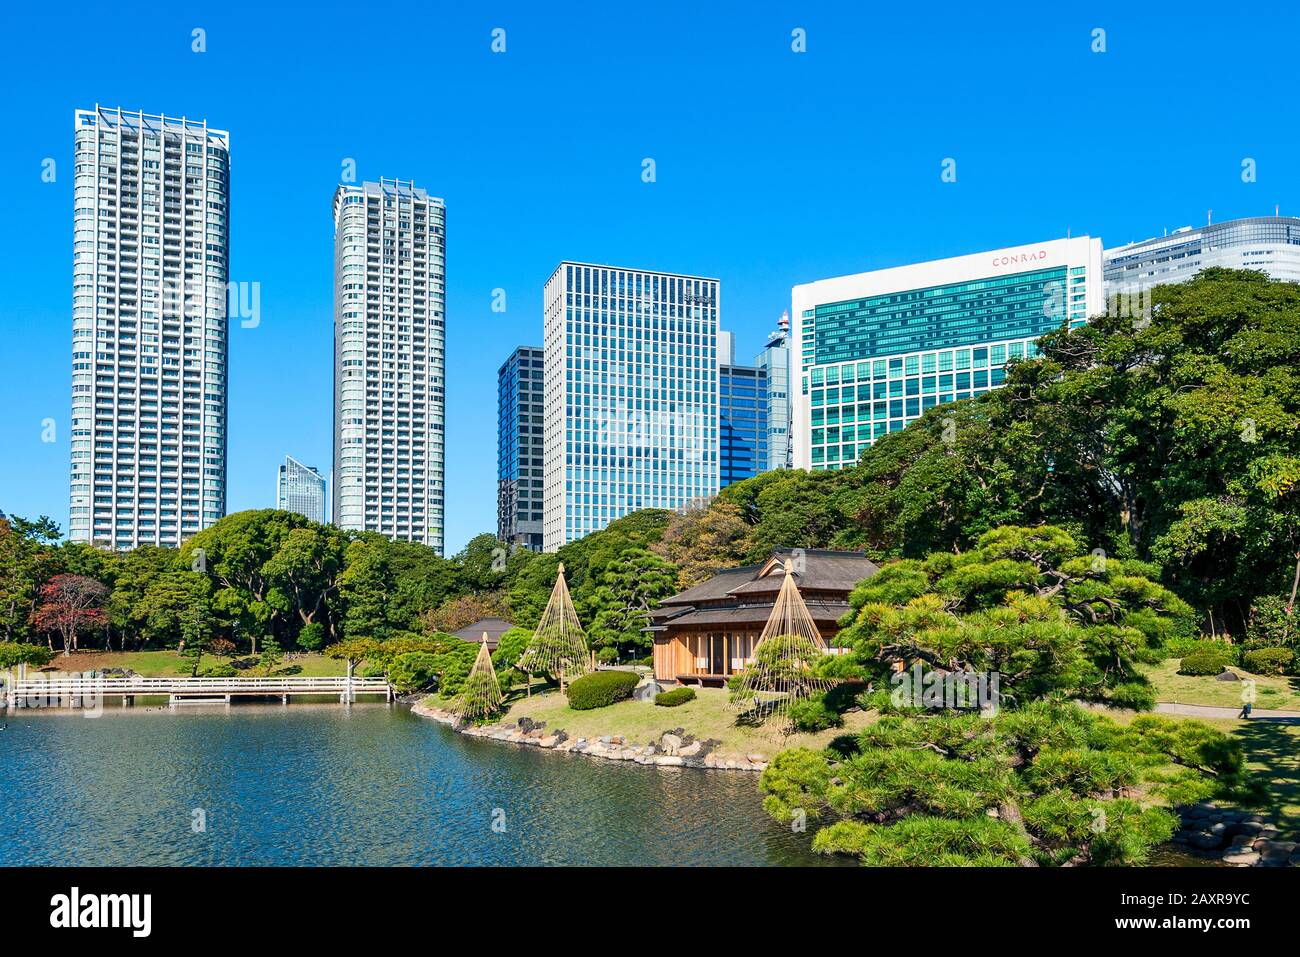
(70, 604)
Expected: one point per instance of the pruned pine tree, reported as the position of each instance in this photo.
(559, 645)
(783, 667)
(481, 697)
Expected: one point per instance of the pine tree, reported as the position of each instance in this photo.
(559, 645)
(782, 671)
(481, 696)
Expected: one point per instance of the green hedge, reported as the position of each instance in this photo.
(813, 714)
(1268, 661)
(1203, 662)
(671, 699)
(600, 689)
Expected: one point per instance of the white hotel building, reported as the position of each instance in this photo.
(873, 351)
(149, 328)
(389, 360)
(631, 395)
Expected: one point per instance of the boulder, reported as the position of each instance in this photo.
(690, 750)
(1206, 841)
(646, 690)
(671, 743)
(549, 741)
(1241, 858)
(756, 758)
(1227, 676)
(1275, 853)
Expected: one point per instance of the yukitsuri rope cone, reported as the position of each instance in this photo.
(559, 645)
(782, 668)
(481, 697)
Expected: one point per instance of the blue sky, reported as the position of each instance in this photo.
(773, 167)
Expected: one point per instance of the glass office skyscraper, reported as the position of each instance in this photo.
(774, 362)
(520, 447)
(151, 261)
(389, 360)
(877, 349)
(1268, 243)
(300, 488)
(631, 395)
(742, 416)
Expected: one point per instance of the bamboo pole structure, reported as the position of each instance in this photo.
(788, 648)
(559, 645)
(481, 697)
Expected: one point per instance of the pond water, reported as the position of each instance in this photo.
(366, 785)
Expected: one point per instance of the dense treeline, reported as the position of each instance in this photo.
(1170, 439)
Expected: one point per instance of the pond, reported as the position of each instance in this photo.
(318, 784)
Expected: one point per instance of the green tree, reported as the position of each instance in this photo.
(629, 589)
(701, 541)
(1047, 785)
(1028, 603)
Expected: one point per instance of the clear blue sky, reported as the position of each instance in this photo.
(773, 167)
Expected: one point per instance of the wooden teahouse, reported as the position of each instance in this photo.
(708, 632)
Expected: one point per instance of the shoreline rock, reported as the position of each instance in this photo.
(670, 753)
(1237, 838)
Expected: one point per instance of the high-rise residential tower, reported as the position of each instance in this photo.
(520, 447)
(300, 488)
(631, 395)
(389, 360)
(1267, 243)
(742, 416)
(874, 351)
(151, 260)
(774, 361)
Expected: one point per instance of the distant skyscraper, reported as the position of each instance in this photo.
(300, 488)
(774, 360)
(151, 262)
(520, 447)
(742, 416)
(389, 336)
(874, 351)
(631, 395)
(1268, 243)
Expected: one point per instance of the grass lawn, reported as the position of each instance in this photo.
(1272, 750)
(1280, 693)
(168, 664)
(708, 716)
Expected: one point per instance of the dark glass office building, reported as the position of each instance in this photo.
(519, 448)
(742, 423)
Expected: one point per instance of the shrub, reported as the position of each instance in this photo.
(21, 653)
(843, 696)
(223, 669)
(312, 636)
(412, 671)
(1268, 661)
(600, 689)
(813, 714)
(607, 656)
(1203, 661)
(678, 696)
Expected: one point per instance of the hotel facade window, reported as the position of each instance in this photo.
(631, 395)
(876, 350)
(389, 360)
(151, 261)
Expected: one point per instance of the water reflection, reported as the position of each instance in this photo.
(319, 784)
